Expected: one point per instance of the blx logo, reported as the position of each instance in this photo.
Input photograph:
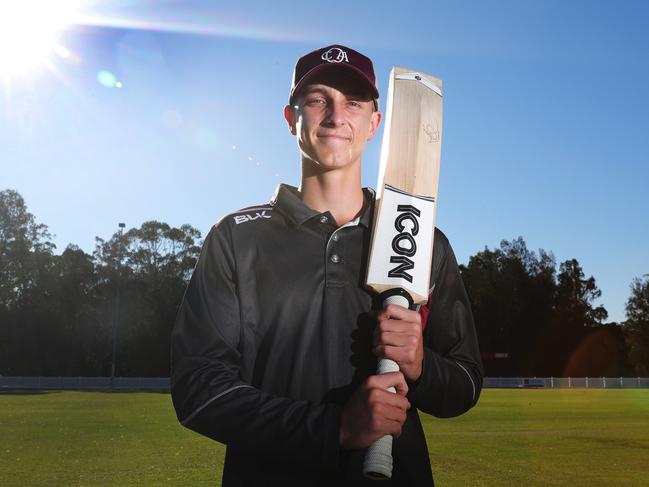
(335, 55)
(250, 217)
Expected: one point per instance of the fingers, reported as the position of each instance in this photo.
(373, 412)
(404, 356)
(388, 410)
(395, 312)
(386, 420)
(395, 321)
(390, 379)
(397, 339)
(398, 336)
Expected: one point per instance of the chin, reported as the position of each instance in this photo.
(331, 165)
(324, 162)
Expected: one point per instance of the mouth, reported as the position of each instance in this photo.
(333, 137)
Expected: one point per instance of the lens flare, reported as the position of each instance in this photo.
(29, 32)
(108, 79)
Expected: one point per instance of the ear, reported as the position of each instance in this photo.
(290, 116)
(374, 124)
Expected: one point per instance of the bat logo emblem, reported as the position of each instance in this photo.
(335, 55)
(432, 133)
(404, 243)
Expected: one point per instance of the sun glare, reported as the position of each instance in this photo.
(29, 32)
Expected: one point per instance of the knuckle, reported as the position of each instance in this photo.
(373, 397)
(376, 413)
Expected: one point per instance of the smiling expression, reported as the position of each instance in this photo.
(333, 119)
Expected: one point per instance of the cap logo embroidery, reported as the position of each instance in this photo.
(335, 55)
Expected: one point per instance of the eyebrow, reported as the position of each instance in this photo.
(309, 91)
(355, 94)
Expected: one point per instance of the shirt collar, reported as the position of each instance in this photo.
(287, 200)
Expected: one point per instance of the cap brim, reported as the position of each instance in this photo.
(329, 67)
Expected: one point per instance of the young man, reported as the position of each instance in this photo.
(274, 349)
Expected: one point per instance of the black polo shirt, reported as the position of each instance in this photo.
(273, 337)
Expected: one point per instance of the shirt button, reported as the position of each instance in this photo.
(324, 219)
(335, 237)
(335, 258)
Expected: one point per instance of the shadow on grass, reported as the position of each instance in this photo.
(125, 391)
(26, 392)
(34, 392)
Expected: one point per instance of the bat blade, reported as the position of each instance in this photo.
(404, 226)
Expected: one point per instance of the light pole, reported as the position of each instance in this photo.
(116, 316)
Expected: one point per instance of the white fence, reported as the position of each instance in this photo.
(86, 383)
(162, 383)
(568, 382)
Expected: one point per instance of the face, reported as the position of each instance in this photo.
(333, 119)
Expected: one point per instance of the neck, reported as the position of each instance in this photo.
(338, 191)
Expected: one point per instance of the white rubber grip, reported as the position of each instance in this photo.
(378, 457)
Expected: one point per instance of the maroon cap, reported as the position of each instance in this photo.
(333, 57)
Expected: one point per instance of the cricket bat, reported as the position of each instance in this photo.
(401, 250)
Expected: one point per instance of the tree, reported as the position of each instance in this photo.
(26, 282)
(86, 343)
(522, 307)
(57, 312)
(570, 324)
(511, 291)
(637, 325)
(147, 270)
(24, 248)
(576, 296)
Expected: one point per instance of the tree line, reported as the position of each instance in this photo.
(544, 318)
(69, 314)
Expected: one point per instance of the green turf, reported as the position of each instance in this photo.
(101, 438)
(544, 438)
(553, 437)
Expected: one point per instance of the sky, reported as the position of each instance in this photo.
(546, 118)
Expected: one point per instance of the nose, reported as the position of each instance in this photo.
(335, 116)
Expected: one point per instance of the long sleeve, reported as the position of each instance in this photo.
(206, 386)
(451, 379)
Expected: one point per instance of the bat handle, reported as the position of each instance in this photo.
(378, 457)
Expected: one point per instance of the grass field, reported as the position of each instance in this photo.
(560, 437)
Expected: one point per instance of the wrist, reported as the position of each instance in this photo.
(414, 380)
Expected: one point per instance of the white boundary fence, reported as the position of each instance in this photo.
(162, 383)
(568, 382)
(86, 383)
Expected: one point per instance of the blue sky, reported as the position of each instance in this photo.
(545, 129)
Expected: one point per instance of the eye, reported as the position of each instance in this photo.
(313, 102)
(354, 104)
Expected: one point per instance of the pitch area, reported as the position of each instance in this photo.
(561, 437)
